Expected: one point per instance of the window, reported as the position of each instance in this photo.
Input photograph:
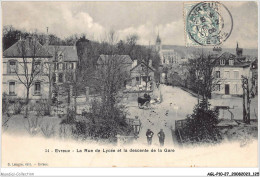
(222, 62)
(60, 66)
(69, 76)
(12, 67)
(218, 87)
(146, 78)
(227, 74)
(137, 78)
(236, 74)
(11, 88)
(217, 74)
(60, 77)
(72, 65)
(55, 66)
(231, 61)
(37, 66)
(37, 88)
(142, 66)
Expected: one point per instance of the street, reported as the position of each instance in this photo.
(176, 105)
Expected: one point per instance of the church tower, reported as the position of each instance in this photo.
(239, 51)
(158, 43)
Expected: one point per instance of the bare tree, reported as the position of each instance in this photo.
(111, 74)
(30, 51)
(201, 75)
(248, 94)
(50, 67)
(111, 37)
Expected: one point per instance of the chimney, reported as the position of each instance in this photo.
(134, 63)
(47, 37)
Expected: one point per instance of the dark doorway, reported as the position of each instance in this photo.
(227, 89)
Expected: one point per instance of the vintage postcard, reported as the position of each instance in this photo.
(130, 84)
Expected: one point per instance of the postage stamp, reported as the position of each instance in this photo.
(207, 23)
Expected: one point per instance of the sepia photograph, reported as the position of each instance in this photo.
(130, 84)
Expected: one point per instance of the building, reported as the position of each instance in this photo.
(168, 56)
(228, 71)
(63, 63)
(24, 64)
(142, 74)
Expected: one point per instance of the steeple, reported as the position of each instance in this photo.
(158, 42)
(158, 39)
(239, 51)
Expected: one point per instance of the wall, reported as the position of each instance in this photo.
(20, 89)
(231, 80)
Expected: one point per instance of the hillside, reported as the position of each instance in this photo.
(182, 50)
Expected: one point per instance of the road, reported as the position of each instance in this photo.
(176, 104)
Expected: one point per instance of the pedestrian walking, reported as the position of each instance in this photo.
(161, 136)
(149, 135)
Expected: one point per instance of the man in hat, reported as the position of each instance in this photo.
(161, 136)
(149, 135)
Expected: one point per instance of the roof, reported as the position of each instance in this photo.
(124, 58)
(69, 52)
(150, 67)
(226, 123)
(238, 61)
(26, 48)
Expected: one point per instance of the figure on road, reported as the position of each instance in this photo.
(149, 135)
(161, 136)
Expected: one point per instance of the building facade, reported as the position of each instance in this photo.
(167, 56)
(229, 69)
(24, 66)
(63, 63)
(142, 76)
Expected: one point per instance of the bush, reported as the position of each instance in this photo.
(48, 129)
(16, 105)
(5, 104)
(69, 118)
(42, 107)
(99, 125)
(201, 124)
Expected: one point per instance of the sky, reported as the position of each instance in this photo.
(95, 19)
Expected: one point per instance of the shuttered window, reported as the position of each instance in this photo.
(60, 77)
(37, 88)
(12, 67)
(11, 88)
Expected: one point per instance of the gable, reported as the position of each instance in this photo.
(138, 68)
(238, 61)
